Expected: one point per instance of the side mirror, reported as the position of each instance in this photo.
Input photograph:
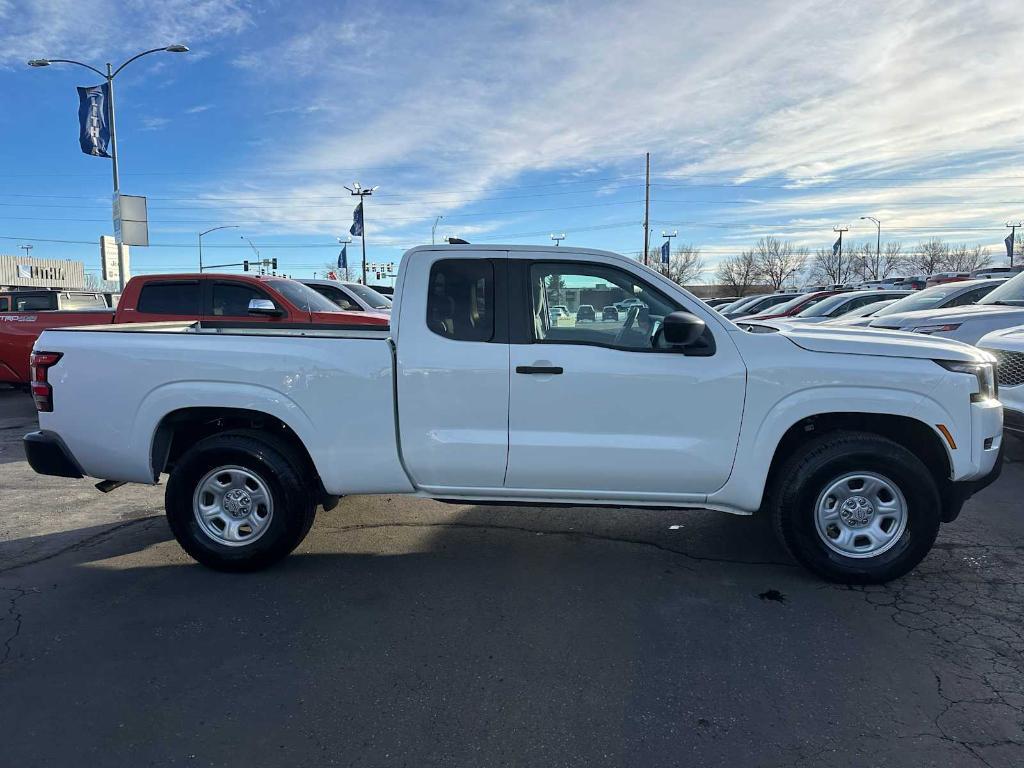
(681, 329)
(264, 308)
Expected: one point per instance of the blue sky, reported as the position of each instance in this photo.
(514, 120)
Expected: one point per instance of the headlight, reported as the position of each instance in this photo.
(985, 373)
(943, 328)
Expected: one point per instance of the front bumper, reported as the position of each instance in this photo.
(959, 492)
(47, 455)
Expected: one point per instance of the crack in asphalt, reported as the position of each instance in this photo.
(567, 533)
(15, 615)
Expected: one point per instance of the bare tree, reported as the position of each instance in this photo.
(827, 268)
(964, 259)
(892, 260)
(930, 256)
(778, 261)
(738, 272)
(685, 264)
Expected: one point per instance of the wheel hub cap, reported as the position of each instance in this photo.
(856, 511)
(237, 503)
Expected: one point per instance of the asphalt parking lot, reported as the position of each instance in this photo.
(412, 633)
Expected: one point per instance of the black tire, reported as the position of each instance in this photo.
(286, 477)
(809, 472)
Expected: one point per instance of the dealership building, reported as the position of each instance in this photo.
(28, 272)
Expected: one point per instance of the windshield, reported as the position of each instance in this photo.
(740, 303)
(1011, 292)
(826, 305)
(796, 302)
(302, 296)
(870, 309)
(926, 299)
(371, 297)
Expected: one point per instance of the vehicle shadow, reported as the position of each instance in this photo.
(468, 635)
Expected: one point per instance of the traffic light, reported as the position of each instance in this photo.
(245, 266)
(273, 263)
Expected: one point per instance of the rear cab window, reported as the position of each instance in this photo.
(170, 297)
(460, 299)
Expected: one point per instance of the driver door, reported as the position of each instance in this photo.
(600, 406)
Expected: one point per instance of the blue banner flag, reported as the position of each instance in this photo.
(1009, 245)
(343, 257)
(836, 246)
(357, 221)
(664, 252)
(94, 119)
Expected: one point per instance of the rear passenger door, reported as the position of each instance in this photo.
(452, 370)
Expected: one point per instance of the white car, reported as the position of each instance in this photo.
(959, 294)
(1001, 308)
(1008, 347)
(352, 297)
(857, 443)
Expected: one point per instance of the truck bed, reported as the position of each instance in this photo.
(334, 387)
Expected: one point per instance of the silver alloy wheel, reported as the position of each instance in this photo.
(233, 506)
(860, 514)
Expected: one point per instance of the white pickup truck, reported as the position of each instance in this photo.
(857, 442)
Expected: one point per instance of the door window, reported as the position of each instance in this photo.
(460, 304)
(574, 303)
(31, 303)
(170, 298)
(232, 299)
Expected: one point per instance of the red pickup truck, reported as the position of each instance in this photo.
(152, 298)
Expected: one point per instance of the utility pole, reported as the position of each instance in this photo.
(647, 208)
(433, 229)
(1013, 238)
(839, 264)
(28, 250)
(558, 239)
(362, 193)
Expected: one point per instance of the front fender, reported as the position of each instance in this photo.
(761, 434)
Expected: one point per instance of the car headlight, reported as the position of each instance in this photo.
(985, 373)
(941, 328)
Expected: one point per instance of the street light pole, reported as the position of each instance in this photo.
(109, 76)
(28, 250)
(558, 239)
(839, 265)
(213, 229)
(433, 229)
(878, 244)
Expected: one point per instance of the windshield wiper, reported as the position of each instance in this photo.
(1012, 303)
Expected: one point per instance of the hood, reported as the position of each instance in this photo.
(870, 341)
(1005, 338)
(947, 314)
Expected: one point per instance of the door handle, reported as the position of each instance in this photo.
(548, 369)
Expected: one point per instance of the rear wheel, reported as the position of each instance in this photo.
(855, 507)
(239, 501)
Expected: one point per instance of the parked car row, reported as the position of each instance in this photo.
(209, 297)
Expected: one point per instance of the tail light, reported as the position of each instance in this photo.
(42, 392)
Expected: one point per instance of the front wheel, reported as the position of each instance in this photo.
(856, 508)
(237, 501)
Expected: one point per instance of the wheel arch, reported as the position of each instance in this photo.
(180, 429)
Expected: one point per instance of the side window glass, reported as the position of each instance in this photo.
(594, 304)
(970, 297)
(460, 302)
(32, 303)
(170, 298)
(232, 299)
